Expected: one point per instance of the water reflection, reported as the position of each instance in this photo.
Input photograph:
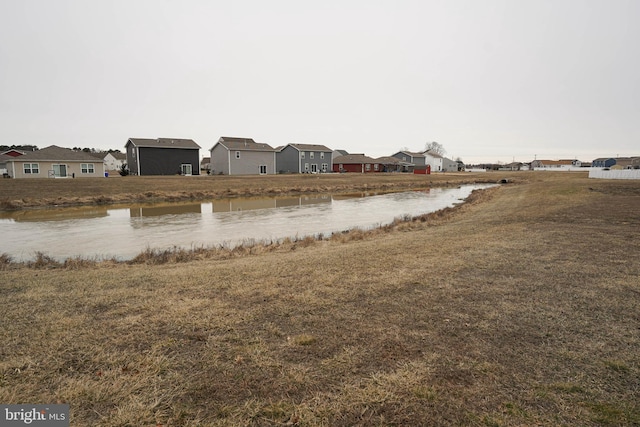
(124, 231)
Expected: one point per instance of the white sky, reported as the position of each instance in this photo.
(490, 80)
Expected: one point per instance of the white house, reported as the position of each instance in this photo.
(434, 160)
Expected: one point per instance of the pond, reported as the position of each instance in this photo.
(122, 232)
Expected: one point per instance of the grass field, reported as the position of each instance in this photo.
(520, 307)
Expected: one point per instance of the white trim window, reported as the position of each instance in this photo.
(367, 167)
(375, 166)
(325, 167)
(31, 168)
(306, 167)
(311, 153)
(263, 169)
(87, 168)
(302, 154)
(237, 154)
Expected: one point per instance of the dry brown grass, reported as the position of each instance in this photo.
(520, 308)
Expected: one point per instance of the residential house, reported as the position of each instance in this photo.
(603, 162)
(242, 156)
(205, 165)
(54, 162)
(163, 156)
(557, 165)
(393, 164)
(449, 165)
(417, 159)
(113, 161)
(304, 158)
(356, 163)
(435, 160)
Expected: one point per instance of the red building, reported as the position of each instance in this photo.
(358, 163)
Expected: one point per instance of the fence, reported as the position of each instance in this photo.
(615, 174)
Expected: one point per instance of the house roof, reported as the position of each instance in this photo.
(354, 158)
(433, 154)
(248, 144)
(410, 153)
(311, 147)
(164, 143)
(55, 153)
(555, 162)
(389, 160)
(13, 152)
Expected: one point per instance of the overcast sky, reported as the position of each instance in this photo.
(490, 80)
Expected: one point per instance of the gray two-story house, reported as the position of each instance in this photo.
(417, 159)
(304, 158)
(242, 156)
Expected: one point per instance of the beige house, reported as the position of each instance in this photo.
(55, 162)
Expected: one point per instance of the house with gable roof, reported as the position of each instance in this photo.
(417, 159)
(356, 163)
(163, 156)
(242, 156)
(54, 162)
(435, 160)
(304, 158)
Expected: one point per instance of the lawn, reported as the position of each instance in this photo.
(520, 307)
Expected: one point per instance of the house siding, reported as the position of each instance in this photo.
(250, 161)
(289, 160)
(74, 168)
(166, 161)
(132, 158)
(358, 167)
(411, 158)
(219, 160)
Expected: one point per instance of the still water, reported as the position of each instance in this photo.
(122, 232)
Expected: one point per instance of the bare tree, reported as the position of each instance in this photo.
(435, 147)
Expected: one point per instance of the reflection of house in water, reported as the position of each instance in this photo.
(233, 205)
(55, 214)
(168, 209)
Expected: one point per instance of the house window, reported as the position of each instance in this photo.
(31, 168)
(367, 167)
(237, 154)
(263, 169)
(87, 168)
(325, 167)
(302, 154)
(375, 167)
(311, 153)
(322, 155)
(314, 168)
(306, 167)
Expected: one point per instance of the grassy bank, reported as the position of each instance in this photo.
(520, 308)
(38, 193)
